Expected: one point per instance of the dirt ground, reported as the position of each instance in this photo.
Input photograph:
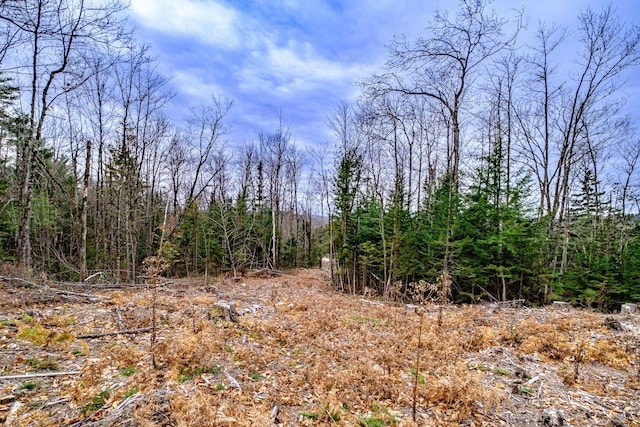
(285, 348)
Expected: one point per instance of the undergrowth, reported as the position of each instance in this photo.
(319, 358)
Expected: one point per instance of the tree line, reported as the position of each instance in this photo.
(504, 168)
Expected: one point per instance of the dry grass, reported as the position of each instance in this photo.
(303, 354)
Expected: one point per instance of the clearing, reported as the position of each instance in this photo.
(284, 348)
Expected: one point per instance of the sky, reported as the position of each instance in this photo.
(298, 58)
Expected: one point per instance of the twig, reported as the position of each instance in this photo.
(39, 375)
(75, 294)
(12, 414)
(106, 334)
(417, 373)
(372, 302)
(119, 317)
(55, 402)
(102, 286)
(17, 279)
(99, 273)
(533, 380)
(54, 290)
(540, 390)
(91, 417)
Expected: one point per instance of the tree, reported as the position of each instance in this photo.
(274, 149)
(56, 35)
(568, 119)
(441, 67)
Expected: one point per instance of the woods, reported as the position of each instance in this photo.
(474, 154)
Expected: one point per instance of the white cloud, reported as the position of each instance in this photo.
(295, 69)
(207, 21)
(189, 83)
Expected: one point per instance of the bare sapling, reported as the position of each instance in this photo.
(155, 266)
(416, 376)
(443, 284)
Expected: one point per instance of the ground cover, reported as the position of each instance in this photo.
(285, 348)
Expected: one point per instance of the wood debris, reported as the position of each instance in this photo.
(290, 350)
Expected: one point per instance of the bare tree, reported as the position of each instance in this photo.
(193, 161)
(274, 149)
(441, 68)
(567, 120)
(55, 34)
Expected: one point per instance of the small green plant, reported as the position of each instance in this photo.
(332, 415)
(26, 318)
(363, 319)
(128, 371)
(36, 334)
(8, 322)
(41, 364)
(310, 416)
(372, 422)
(36, 405)
(524, 390)
(130, 392)
(254, 376)
(77, 352)
(379, 418)
(220, 387)
(185, 378)
(65, 336)
(97, 402)
(30, 385)
(480, 367)
(186, 373)
(501, 371)
(421, 378)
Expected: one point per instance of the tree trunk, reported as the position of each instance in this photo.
(83, 213)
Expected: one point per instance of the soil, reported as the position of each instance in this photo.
(286, 348)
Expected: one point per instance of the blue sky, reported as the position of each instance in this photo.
(298, 57)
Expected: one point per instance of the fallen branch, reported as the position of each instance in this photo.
(99, 273)
(371, 302)
(107, 334)
(91, 417)
(12, 413)
(54, 290)
(55, 402)
(75, 294)
(17, 279)
(264, 272)
(39, 375)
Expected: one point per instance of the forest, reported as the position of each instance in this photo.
(474, 165)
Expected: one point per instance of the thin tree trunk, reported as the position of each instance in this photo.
(83, 214)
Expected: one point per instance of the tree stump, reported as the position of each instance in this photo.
(224, 309)
(629, 309)
(561, 305)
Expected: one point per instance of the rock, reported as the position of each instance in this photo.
(612, 324)
(629, 308)
(552, 418)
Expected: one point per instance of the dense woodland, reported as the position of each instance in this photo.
(500, 166)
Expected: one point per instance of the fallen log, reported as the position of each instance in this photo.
(39, 375)
(107, 334)
(90, 297)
